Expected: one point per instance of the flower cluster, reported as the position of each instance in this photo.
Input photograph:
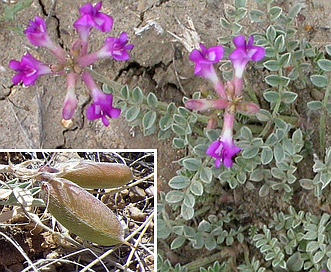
(230, 99)
(73, 64)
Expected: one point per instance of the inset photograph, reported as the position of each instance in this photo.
(77, 210)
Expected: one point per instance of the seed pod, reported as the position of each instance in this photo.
(80, 212)
(99, 175)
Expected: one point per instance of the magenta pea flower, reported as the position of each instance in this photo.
(37, 35)
(244, 53)
(28, 70)
(205, 60)
(102, 106)
(116, 48)
(92, 17)
(224, 150)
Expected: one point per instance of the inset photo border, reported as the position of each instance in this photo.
(78, 210)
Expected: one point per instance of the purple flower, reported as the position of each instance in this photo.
(205, 60)
(244, 53)
(224, 151)
(37, 35)
(37, 32)
(114, 47)
(102, 107)
(117, 48)
(91, 17)
(28, 70)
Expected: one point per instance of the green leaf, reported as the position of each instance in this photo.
(196, 188)
(163, 231)
(187, 212)
(180, 120)
(210, 243)
(189, 200)
(264, 115)
(184, 112)
(271, 33)
(137, 95)
(294, 11)
(289, 97)
(266, 155)
(277, 173)
(192, 164)
(225, 23)
(179, 143)
(318, 257)
(275, 81)
(256, 16)
(264, 190)
(177, 242)
(328, 108)
(246, 134)
(324, 64)
(173, 197)
(132, 113)
(272, 65)
(250, 152)
(206, 174)
(179, 130)
(279, 153)
(149, 119)
(125, 92)
(275, 12)
(319, 81)
(179, 182)
(200, 150)
(314, 105)
(328, 49)
(152, 100)
(279, 44)
(240, 3)
(285, 59)
(165, 122)
(271, 96)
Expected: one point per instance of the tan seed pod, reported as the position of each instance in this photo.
(98, 175)
(80, 212)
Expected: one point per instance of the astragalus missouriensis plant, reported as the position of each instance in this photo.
(252, 191)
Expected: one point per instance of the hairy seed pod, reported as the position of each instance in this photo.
(95, 175)
(80, 212)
